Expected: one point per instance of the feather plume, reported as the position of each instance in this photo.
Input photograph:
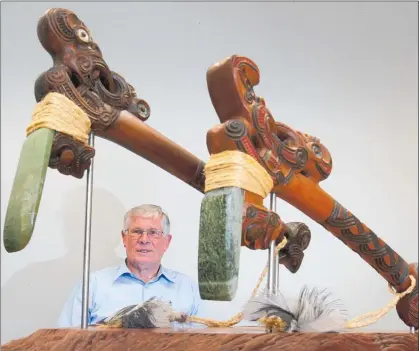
(266, 304)
(153, 313)
(313, 311)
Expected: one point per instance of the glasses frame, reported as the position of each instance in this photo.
(131, 233)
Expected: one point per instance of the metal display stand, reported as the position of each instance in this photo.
(273, 266)
(87, 239)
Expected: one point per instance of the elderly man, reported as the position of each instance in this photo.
(146, 237)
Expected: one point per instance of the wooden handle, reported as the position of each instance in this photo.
(136, 136)
(312, 200)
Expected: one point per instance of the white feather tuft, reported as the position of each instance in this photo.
(313, 311)
(266, 304)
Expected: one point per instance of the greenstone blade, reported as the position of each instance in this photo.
(220, 231)
(27, 189)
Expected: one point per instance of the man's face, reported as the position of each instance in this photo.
(142, 246)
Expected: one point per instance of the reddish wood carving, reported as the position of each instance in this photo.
(69, 156)
(298, 238)
(260, 226)
(81, 73)
(297, 162)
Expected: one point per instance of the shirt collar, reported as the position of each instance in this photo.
(123, 269)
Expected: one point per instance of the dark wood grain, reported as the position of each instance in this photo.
(81, 73)
(209, 339)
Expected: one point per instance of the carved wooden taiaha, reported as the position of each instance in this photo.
(296, 161)
(80, 73)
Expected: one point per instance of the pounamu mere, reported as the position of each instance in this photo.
(231, 217)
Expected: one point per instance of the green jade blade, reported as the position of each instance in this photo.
(219, 243)
(27, 189)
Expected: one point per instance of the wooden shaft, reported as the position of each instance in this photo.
(133, 134)
(310, 198)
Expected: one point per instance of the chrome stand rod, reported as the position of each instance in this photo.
(272, 265)
(87, 240)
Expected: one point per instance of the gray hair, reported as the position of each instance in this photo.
(148, 210)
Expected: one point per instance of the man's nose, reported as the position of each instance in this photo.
(144, 239)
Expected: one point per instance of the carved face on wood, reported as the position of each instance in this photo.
(81, 73)
(250, 127)
(68, 40)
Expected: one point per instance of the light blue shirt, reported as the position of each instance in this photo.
(113, 288)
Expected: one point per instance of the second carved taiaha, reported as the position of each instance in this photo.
(297, 163)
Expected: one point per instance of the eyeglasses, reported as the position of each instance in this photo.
(138, 232)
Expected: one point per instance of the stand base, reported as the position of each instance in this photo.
(252, 338)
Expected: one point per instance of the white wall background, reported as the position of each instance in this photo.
(344, 72)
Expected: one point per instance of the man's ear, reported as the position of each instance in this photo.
(123, 237)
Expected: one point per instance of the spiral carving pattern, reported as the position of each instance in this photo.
(56, 76)
(84, 64)
(235, 129)
(301, 157)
